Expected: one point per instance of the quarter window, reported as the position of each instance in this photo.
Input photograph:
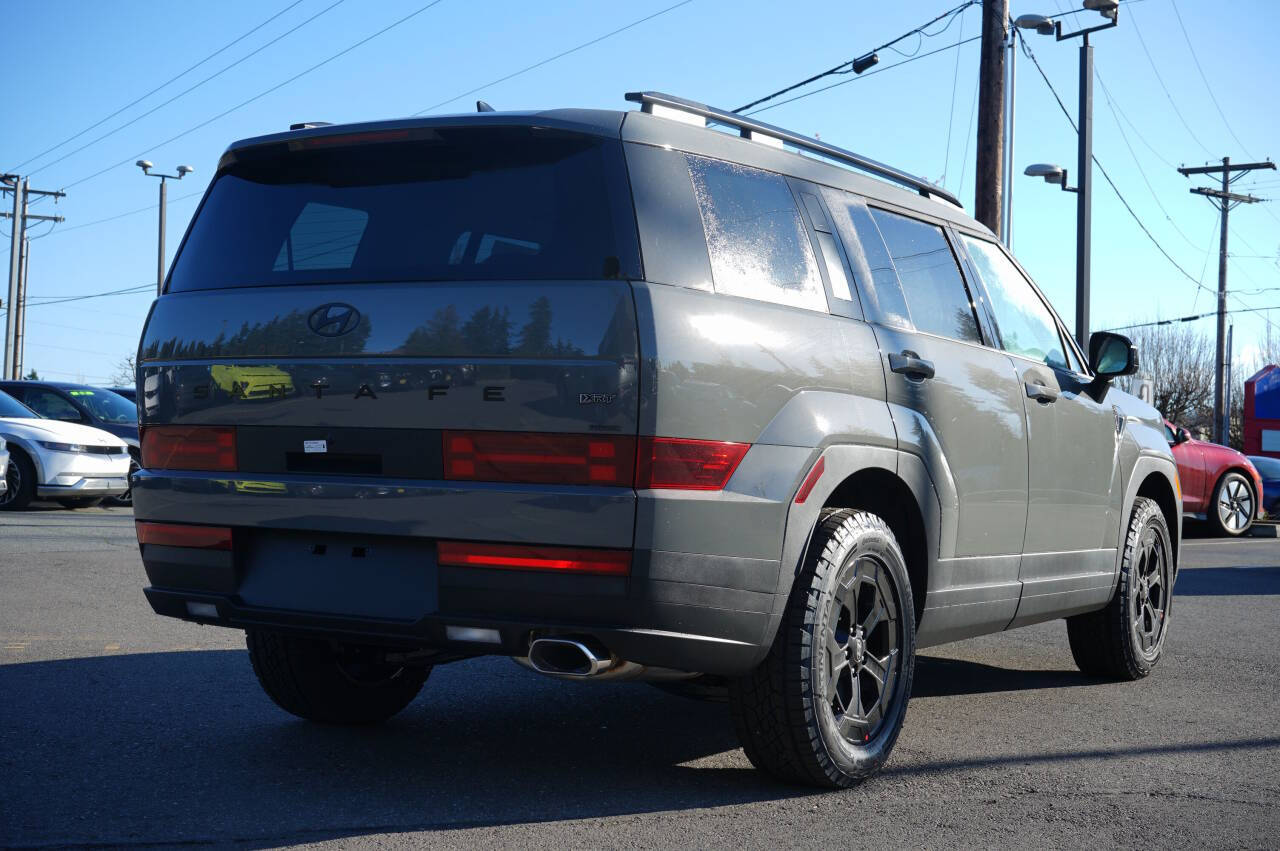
(755, 237)
(1026, 325)
(931, 282)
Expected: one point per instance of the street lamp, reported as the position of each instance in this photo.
(1109, 9)
(1051, 174)
(183, 171)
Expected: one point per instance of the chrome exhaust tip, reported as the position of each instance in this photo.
(569, 657)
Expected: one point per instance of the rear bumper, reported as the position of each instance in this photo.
(649, 617)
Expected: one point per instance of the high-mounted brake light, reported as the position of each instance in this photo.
(569, 459)
(672, 462)
(341, 139)
(522, 557)
(168, 447)
(183, 535)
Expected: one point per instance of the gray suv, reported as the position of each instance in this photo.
(622, 395)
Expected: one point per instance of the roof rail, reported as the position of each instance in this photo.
(749, 127)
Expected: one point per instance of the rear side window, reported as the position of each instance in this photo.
(429, 204)
(931, 282)
(872, 268)
(755, 235)
(1026, 326)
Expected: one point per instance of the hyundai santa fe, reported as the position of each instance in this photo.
(623, 395)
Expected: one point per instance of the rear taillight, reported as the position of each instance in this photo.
(170, 447)
(569, 459)
(183, 535)
(522, 557)
(672, 462)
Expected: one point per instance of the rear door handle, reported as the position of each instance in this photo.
(911, 365)
(1041, 393)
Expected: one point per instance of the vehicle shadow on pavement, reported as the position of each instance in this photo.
(163, 747)
(939, 677)
(1227, 582)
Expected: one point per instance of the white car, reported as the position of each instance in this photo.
(73, 464)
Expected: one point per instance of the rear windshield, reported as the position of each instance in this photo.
(448, 204)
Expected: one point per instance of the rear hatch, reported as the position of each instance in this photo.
(382, 317)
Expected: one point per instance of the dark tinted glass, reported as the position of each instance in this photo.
(453, 204)
(755, 235)
(872, 268)
(11, 407)
(49, 404)
(935, 292)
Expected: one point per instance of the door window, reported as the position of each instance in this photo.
(935, 293)
(46, 403)
(1026, 325)
(872, 269)
(755, 236)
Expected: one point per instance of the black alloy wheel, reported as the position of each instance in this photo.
(1152, 587)
(862, 637)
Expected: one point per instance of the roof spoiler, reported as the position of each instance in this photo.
(681, 109)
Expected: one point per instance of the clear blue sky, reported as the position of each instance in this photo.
(81, 61)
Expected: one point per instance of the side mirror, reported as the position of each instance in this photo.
(1181, 436)
(1111, 355)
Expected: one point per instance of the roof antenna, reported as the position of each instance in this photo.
(482, 106)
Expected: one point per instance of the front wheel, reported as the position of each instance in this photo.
(1124, 641)
(1233, 506)
(331, 683)
(20, 477)
(826, 705)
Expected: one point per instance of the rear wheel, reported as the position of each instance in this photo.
(826, 705)
(1125, 639)
(332, 683)
(20, 476)
(74, 502)
(1233, 506)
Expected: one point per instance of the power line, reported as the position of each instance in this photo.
(1141, 171)
(1205, 79)
(1160, 80)
(260, 95)
(172, 79)
(1110, 182)
(1191, 318)
(847, 66)
(130, 212)
(560, 55)
(187, 90)
(871, 73)
(951, 113)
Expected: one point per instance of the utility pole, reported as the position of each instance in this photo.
(19, 248)
(1006, 222)
(1224, 199)
(989, 185)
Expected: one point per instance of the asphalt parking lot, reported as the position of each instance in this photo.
(119, 727)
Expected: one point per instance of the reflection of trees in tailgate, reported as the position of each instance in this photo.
(288, 334)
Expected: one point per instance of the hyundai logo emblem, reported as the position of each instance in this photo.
(333, 319)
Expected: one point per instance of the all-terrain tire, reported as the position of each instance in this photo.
(21, 476)
(785, 710)
(1126, 639)
(321, 681)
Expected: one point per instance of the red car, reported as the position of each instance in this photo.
(1219, 484)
